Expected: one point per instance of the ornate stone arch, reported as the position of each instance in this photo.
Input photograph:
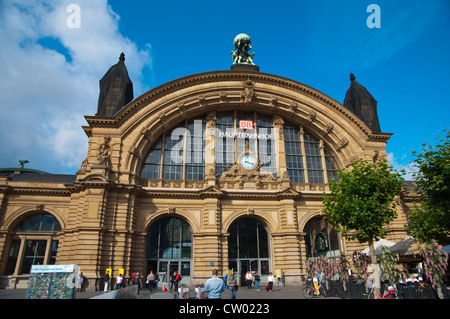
(308, 216)
(262, 217)
(182, 214)
(146, 118)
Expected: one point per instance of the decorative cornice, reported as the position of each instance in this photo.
(244, 77)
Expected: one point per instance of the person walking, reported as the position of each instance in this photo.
(270, 281)
(150, 280)
(214, 286)
(257, 279)
(138, 282)
(232, 285)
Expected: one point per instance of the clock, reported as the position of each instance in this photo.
(248, 161)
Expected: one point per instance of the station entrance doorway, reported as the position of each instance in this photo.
(248, 249)
(169, 249)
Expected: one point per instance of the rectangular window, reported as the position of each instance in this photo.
(294, 157)
(195, 151)
(34, 254)
(174, 154)
(225, 144)
(12, 257)
(53, 252)
(313, 159)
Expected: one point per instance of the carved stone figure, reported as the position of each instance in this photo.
(242, 43)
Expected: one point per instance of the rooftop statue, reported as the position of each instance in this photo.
(242, 43)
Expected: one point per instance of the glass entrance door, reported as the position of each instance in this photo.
(244, 267)
(248, 249)
(169, 248)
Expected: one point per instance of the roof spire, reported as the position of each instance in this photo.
(116, 89)
(362, 104)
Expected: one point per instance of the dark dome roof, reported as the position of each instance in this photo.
(116, 89)
(362, 104)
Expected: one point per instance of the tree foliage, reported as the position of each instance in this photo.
(430, 220)
(361, 202)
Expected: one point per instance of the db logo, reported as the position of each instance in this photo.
(245, 125)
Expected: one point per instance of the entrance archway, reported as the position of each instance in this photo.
(248, 249)
(169, 248)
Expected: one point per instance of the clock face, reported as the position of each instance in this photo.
(248, 161)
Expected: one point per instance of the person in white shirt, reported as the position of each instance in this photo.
(270, 281)
(248, 278)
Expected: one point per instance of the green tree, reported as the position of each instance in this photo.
(361, 203)
(430, 220)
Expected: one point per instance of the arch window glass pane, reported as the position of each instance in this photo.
(169, 238)
(294, 157)
(34, 254)
(266, 146)
(195, 149)
(225, 143)
(331, 166)
(313, 159)
(39, 223)
(152, 165)
(174, 154)
(248, 239)
(320, 240)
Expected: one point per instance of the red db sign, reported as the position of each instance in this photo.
(245, 125)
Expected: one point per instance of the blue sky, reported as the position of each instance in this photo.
(49, 72)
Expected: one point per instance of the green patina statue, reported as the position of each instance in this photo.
(242, 43)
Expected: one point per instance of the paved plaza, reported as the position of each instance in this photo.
(285, 292)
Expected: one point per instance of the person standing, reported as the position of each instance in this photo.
(248, 278)
(214, 286)
(176, 280)
(270, 281)
(119, 281)
(80, 281)
(107, 281)
(165, 282)
(232, 285)
(257, 279)
(156, 281)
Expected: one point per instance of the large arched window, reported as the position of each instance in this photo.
(35, 242)
(248, 248)
(169, 247)
(180, 152)
(320, 239)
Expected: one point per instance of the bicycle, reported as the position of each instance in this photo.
(389, 293)
(310, 291)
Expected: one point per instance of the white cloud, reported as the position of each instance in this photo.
(49, 77)
(409, 167)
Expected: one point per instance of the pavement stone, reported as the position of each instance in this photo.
(285, 292)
